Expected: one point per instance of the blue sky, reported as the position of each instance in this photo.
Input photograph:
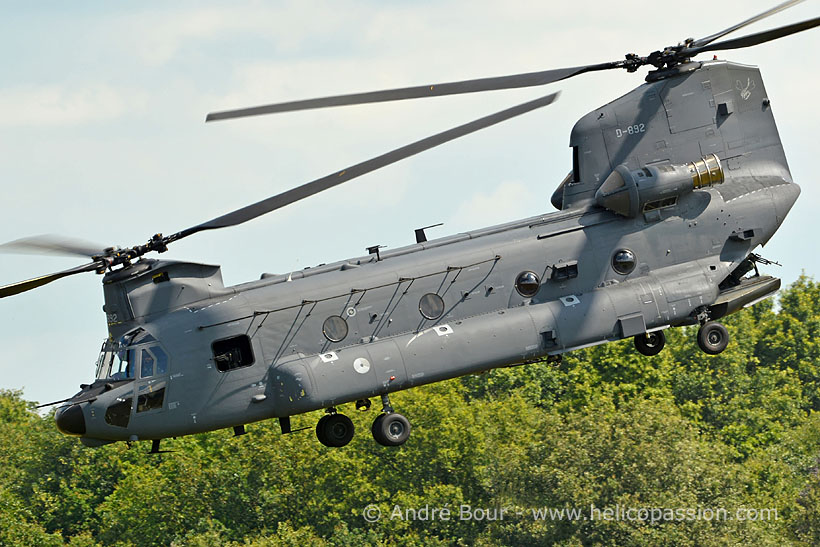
(103, 138)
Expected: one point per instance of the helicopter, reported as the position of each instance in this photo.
(633, 250)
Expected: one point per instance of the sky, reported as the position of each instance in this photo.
(102, 133)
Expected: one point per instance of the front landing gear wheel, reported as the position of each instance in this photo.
(334, 430)
(650, 343)
(713, 338)
(391, 429)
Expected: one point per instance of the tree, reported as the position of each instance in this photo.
(605, 428)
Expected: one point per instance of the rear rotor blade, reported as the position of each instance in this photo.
(435, 90)
(23, 286)
(778, 8)
(755, 39)
(319, 185)
(51, 244)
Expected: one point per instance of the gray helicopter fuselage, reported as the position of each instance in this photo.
(320, 337)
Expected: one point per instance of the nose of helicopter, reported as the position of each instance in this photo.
(70, 420)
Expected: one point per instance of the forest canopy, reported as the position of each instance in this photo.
(603, 430)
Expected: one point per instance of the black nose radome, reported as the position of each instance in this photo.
(71, 420)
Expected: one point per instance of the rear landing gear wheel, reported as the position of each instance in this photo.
(334, 430)
(377, 426)
(391, 429)
(713, 338)
(320, 429)
(650, 343)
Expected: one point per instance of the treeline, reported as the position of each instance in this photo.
(607, 429)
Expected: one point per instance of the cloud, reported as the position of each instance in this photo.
(509, 201)
(290, 26)
(56, 105)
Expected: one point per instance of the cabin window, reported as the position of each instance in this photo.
(431, 306)
(119, 412)
(527, 284)
(335, 328)
(623, 261)
(232, 353)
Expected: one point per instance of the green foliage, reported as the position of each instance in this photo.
(602, 429)
(790, 339)
(643, 454)
(16, 526)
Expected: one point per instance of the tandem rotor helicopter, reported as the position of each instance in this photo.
(673, 188)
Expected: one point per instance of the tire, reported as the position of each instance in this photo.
(713, 338)
(335, 430)
(650, 343)
(391, 429)
(376, 427)
(320, 429)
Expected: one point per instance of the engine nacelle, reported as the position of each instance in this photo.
(629, 193)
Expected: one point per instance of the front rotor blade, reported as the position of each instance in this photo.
(51, 244)
(755, 39)
(271, 204)
(23, 286)
(436, 90)
(778, 8)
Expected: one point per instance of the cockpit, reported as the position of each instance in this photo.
(135, 353)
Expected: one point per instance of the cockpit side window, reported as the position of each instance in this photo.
(162, 359)
(146, 364)
(129, 336)
(126, 366)
(142, 338)
(153, 362)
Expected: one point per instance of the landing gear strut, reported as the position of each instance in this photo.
(713, 337)
(390, 428)
(650, 343)
(334, 429)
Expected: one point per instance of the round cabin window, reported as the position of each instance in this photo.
(334, 328)
(527, 284)
(623, 261)
(431, 306)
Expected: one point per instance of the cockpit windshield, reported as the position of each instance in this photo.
(106, 359)
(116, 362)
(120, 359)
